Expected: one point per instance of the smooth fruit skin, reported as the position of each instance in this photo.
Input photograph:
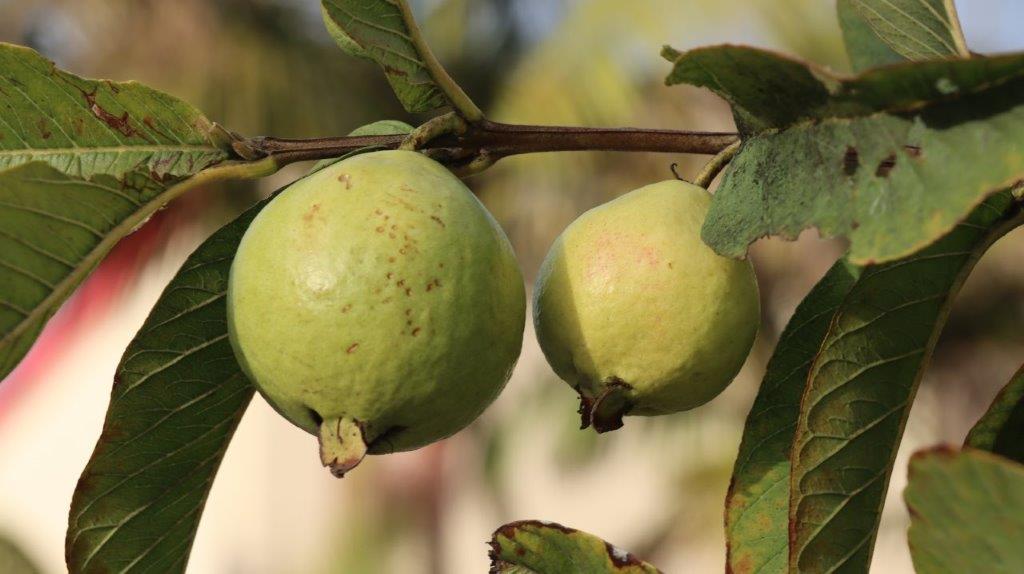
(632, 307)
(376, 296)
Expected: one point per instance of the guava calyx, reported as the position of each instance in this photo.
(605, 411)
(342, 444)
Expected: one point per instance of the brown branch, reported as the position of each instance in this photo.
(501, 140)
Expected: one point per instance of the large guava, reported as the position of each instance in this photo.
(377, 304)
(637, 314)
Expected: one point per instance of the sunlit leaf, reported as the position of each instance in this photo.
(535, 547)
(861, 386)
(913, 29)
(385, 32)
(967, 513)
(85, 128)
(863, 46)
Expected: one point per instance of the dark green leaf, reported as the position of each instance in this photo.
(771, 91)
(757, 506)
(1001, 429)
(85, 128)
(913, 29)
(967, 513)
(55, 229)
(863, 46)
(861, 386)
(177, 398)
(892, 158)
(385, 32)
(535, 547)
(381, 128)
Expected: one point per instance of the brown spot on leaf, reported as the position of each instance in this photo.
(913, 151)
(44, 130)
(851, 161)
(621, 558)
(886, 166)
(121, 124)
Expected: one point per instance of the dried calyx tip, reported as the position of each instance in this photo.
(342, 444)
(605, 411)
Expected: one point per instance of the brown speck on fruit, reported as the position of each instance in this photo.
(440, 265)
(438, 220)
(380, 230)
(309, 215)
(346, 308)
(408, 323)
(408, 312)
(670, 266)
(390, 275)
(378, 212)
(401, 250)
(386, 300)
(400, 283)
(408, 292)
(352, 348)
(415, 331)
(391, 235)
(394, 227)
(391, 259)
(346, 179)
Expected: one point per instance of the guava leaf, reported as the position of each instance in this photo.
(379, 128)
(860, 388)
(535, 547)
(1001, 429)
(385, 32)
(863, 46)
(911, 29)
(55, 229)
(85, 128)
(891, 158)
(82, 164)
(966, 512)
(178, 396)
(757, 506)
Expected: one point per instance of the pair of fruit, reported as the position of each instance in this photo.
(377, 304)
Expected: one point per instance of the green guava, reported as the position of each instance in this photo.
(637, 314)
(377, 304)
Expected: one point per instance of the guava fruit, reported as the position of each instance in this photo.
(377, 304)
(637, 314)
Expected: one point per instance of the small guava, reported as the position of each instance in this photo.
(377, 304)
(637, 314)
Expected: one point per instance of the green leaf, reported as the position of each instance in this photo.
(55, 229)
(385, 32)
(757, 506)
(770, 91)
(967, 513)
(863, 46)
(535, 547)
(913, 29)
(861, 386)
(13, 559)
(1001, 429)
(379, 128)
(85, 128)
(178, 396)
(892, 158)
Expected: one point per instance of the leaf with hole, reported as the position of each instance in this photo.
(537, 547)
(757, 506)
(178, 396)
(966, 513)
(892, 158)
(1001, 429)
(860, 388)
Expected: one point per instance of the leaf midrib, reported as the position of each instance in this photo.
(64, 287)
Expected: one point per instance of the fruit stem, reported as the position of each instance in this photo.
(498, 140)
(342, 444)
(716, 165)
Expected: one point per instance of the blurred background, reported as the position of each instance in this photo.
(656, 486)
